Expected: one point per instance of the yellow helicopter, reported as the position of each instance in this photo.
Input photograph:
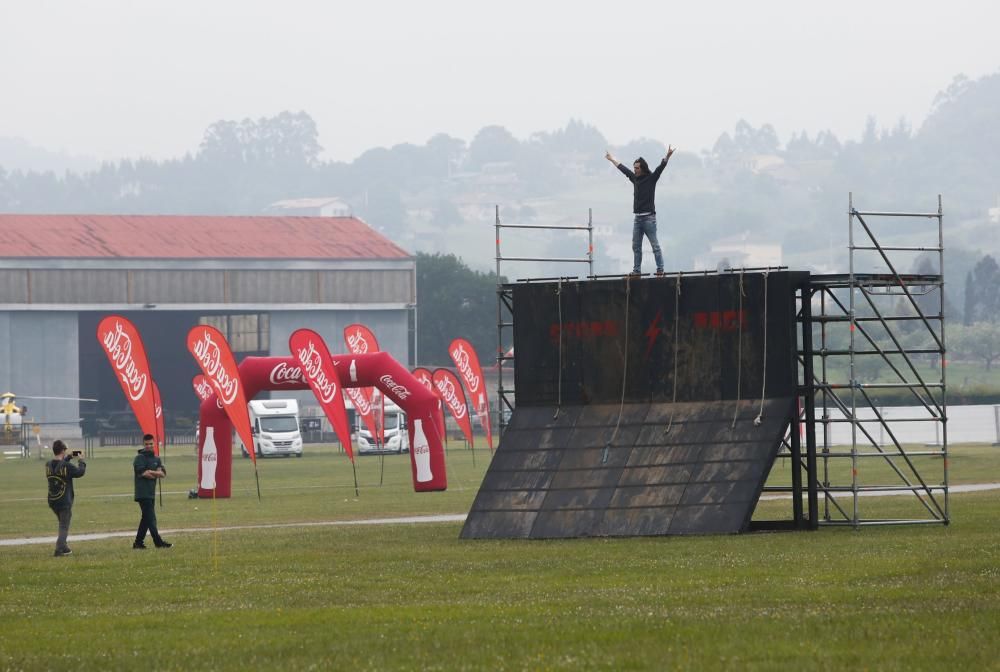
(13, 414)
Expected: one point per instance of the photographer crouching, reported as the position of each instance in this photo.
(60, 472)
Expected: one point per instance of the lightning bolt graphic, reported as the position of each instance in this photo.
(652, 333)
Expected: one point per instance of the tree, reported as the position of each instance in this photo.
(454, 301)
(983, 284)
(444, 154)
(801, 148)
(980, 341)
(970, 300)
(577, 138)
(492, 144)
(962, 136)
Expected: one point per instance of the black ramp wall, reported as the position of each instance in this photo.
(598, 446)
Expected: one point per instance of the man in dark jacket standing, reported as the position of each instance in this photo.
(643, 206)
(60, 472)
(148, 469)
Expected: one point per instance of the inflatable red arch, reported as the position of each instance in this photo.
(378, 369)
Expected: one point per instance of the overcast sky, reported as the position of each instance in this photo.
(113, 78)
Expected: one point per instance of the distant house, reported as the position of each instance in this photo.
(497, 173)
(310, 207)
(739, 251)
(762, 163)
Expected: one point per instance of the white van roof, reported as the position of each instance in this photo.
(262, 407)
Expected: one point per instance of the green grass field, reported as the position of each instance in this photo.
(377, 597)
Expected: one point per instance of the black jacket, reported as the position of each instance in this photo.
(145, 488)
(60, 474)
(644, 196)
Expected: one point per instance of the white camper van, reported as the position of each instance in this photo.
(275, 424)
(397, 438)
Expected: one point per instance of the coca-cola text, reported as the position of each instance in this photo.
(357, 342)
(394, 388)
(312, 366)
(447, 390)
(209, 355)
(462, 361)
(118, 345)
(283, 374)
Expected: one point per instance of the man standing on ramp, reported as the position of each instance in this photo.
(643, 206)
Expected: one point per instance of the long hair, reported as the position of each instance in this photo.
(645, 166)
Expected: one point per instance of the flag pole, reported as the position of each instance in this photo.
(256, 477)
(163, 460)
(354, 467)
(215, 535)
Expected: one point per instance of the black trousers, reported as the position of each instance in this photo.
(64, 516)
(147, 522)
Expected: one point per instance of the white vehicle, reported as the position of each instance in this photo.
(397, 438)
(275, 426)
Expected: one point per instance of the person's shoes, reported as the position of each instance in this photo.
(660, 273)
(164, 544)
(139, 546)
(61, 553)
(634, 274)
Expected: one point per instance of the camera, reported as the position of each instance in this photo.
(77, 453)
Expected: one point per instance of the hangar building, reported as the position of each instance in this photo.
(256, 278)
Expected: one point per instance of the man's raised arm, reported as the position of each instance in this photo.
(663, 163)
(617, 164)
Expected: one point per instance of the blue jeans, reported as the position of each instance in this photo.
(645, 225)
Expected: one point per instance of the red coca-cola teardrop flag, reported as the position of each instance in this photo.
(311, 352)
(425, 378)
(471, 373)
(361, 341)
(201, 387)
(449, 388)
(211, 350)
(121, 343)
(161, 435)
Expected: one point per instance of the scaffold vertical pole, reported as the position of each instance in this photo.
(852, 375)
(943, 362)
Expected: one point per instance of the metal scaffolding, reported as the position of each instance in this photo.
(505, 297)
(895, 320)
(872, 359)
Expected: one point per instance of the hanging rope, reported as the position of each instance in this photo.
(559, 393)
(621, 405)
(677, 314)
(763, 384)
(739, 354)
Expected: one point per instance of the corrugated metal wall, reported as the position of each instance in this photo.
(15, 286)
(177, 286)
(78, 286)
(207, 286)
(368, 286)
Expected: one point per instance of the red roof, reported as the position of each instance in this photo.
(193, 237)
